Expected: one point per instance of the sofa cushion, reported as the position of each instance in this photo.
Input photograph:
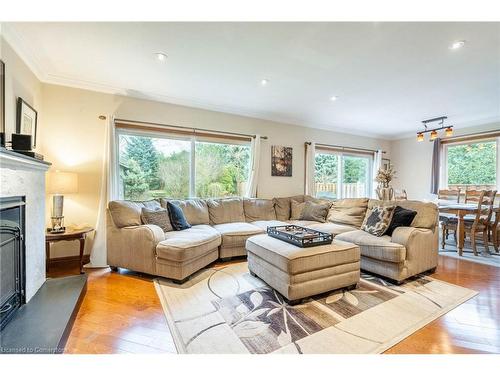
(378, 220)
(315, 211)
(236, 234)
(400, 218)
(263, 224)
(375, 247)
(259, 209)
(427, 212)
(157, 217)
(128, 213)
(350, 211)
(182, 246)
(195, 210)
(331, 228)
(177, 218)
(302, 223)
(282, 206)
(294, 260)
(296, 209)
(225, 210)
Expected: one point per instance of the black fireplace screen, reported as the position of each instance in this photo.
(12, 253)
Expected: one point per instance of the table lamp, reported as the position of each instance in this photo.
(59, 183)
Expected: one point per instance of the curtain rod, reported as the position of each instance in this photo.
(493, 133)
(345, 148)
(134, 122)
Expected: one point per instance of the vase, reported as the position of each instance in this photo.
(385, 193)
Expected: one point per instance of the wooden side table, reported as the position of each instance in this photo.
(68, 235)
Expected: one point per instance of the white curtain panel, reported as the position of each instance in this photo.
(108, 191)
(310, 186)
(377, 163)
(254, 172)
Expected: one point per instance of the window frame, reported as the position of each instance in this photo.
(340, 168)
(193, 139)
(444, 158)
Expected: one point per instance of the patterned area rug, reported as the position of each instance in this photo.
(226, 310)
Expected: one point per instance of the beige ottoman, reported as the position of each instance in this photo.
(298, 272)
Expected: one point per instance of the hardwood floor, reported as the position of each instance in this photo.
(121, 313)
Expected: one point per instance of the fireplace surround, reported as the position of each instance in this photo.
(12, 257)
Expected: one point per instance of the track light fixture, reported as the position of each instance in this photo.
(448, 130)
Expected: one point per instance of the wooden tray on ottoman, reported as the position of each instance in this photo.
(300, 236)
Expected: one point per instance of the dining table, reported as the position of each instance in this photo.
(461, 210)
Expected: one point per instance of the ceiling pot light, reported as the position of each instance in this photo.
(264, 82)
(458, 44)
(160, 56)
(333, 98)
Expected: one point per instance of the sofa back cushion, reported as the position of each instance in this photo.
(283, 206)
(128, 213)
(349, 211)
(195, 210)
(225, 210)
(427, 212)
(259, 209)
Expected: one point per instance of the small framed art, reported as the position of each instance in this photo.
(26, 120)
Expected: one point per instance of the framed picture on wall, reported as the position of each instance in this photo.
(26, 120)
(2, 104)
(281, 161)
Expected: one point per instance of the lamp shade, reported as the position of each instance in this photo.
(62, 183)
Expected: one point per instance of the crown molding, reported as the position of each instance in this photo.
(196, 103)
(24, 51)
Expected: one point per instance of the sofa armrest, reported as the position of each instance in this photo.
(421, 247)
(133, 247)
(147, 232)
(403, 235)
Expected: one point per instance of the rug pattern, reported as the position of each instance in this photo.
(226, 310)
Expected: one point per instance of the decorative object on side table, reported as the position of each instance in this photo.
(281, 161)
(77, 234)
(59, 183)
(26, 120)
(384, 178)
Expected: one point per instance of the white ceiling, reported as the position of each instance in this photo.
(388, 76)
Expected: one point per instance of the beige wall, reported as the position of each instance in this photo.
(412, 161)
(74, 141)
(71, 136)
(19, 82)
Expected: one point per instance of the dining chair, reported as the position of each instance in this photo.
(451, 195)
(447, 196)
(482, 218)
(400, 195)
(495, 228)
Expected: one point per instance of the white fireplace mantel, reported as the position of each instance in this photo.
(21, 175)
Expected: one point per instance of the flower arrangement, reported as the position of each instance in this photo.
(385, 176)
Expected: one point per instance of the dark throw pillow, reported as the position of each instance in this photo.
(158, 217)
(378, 220)
(177, 217)
(400, 218)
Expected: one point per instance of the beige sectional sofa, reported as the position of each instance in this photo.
(220, 228)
